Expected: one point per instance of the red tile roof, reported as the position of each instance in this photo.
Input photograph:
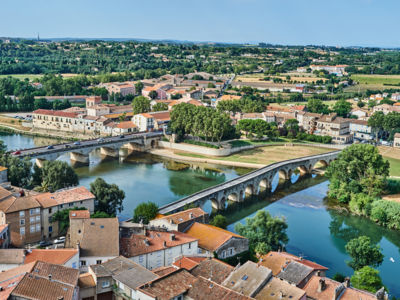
(53, 256)
(79, 214)
(80, 193)
(56, 113)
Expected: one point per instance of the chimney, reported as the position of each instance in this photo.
(338, 291)
(319, 273)
(191, 216)
(50, 276)
(172, 237)
(164, 244)
(146, 242)
(381, 294)
(347, 282)
(281, 295)
(321, 285)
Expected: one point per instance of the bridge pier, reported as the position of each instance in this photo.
(79, 158)
(107, 151)
(285, 175)
(134, 147)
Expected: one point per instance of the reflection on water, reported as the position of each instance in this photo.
(19, 141)
(320, 234)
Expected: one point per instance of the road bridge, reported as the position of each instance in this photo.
(251, 183)
(109, 146)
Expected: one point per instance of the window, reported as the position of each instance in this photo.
(120, 285)
(37, 210)
(70, 204)
(37, 218)
(50, 219)
(22, 214)
(105, 284)
(50, 228)
(61, 206)
(31, 211)
(83, 263)
(32, 229)
(22, 222)
(189, 245)
(38, 228)
(22, 230)
(50, 210)
(74, 265)
(98, 261)
(32, 219)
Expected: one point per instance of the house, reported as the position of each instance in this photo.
(227, 98)
(87, 286)
(180, 221)
(11, 258)
(46, 119)
(4, 236)
(122, 273)
(296, 273)
(308, 121)
(325, 288)
(248, 279)
(204, 289)
(3, 174)
(88, 236)
(51, 203)
(277, 289)
(395, 97)
(125, 127)
(48, 281)
(386, 108)
(65, 257)
(338, 70)
(93, 101)
(360, 130)
(211, 268)
(155, 248)
(9, 279)
(217, 240)
(277, 261)
(336, 127)
(359, 113)
(23, 216)
(171, 286)
(396, 140)
(151, 121)
(123, 88)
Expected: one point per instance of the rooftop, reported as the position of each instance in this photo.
(53, 256)
(277, 289)
(295, 272)
(86, 280)
(80, 193)
(12, 256)
(14, 204)
(79, 214)
(210, 237)
(183, 216)
(55, 113)
(152, 241)
(214, 269)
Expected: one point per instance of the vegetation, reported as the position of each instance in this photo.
(219, 221)
(359, 169)
(258, 127)
(62, 217)
(265, 233)
(202, 144)
(19, 170)
(145, 212)
(363, 253)
(108, 197)
(160, 107)
(141, 105)
(367, 279)
(55, 175)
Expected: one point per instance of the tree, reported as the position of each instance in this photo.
(342, 108)
(140, 105)
(363, 253)
(145, 212)
(317, 106)
(160, 107)
(263, 228)
(153, 95)
(367, 279)
(56, 175)
(376, 122)
(100, 214)
(292, 126)
(109, 197)
(139, 87)
(3, 147)
(219, 221)
(19, 170)
(358, 169)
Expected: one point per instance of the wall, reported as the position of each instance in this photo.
(238, 245)
(92, 260)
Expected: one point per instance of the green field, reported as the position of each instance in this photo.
(394, 166)
(374, 82)
(23, 76)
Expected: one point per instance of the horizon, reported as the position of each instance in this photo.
(359, 23)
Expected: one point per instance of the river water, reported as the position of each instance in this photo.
(315, 232)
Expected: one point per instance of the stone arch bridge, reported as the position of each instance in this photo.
(109, 146)
(251, 183)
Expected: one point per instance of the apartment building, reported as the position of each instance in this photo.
(54, 120)
(151, 121)
(360, 130)
(336, 127)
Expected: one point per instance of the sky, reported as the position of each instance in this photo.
(287, 22)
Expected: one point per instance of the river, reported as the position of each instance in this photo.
(315, 232)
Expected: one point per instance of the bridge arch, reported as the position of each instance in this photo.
(264, 184)
(249, 190)
(234, 197)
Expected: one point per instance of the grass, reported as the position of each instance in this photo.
(202, 144)
(242, 143)
(266, 155)
(23, 76)
(374, 82)
(393, 156)
(394, 166)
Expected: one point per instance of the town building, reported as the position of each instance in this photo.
(277, 289)
(308, 121)
(216, 240)
(296, 273)
(181, 221)
(153, 249)
(360, 130)
(3, 174)
(151, 121)
(54, 120)
(396, 140)
(9, 279)
(386, 108)
(336, 127)
(4, 236)
(88, 236)
(361, 114)
(51, 203)
(93, 101)
(338, 70)
(122, 88)
(64, 257)
(11, 258)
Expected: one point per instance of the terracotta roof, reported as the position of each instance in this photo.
(80, 193)
(204, 289)
(195, 102)
(2, 168)
(35, 287)
(229, 97)
(214, 269)
(56, 113)
(4, 193)
(86, 280)
(188, 263)
(210, 237)
(146, 115)
(161, 115)
(12, 256)
(53, 256)
(13, 204)
(169, 286)
(117, 115)
(162, 271)
(58, 273)
(79, 214)
(10, 278)
(152, 241)
(6, 275)
(184, 216)
(94, 233)
(126, 125)
(277, 289)
(2, 227)
(397, 135)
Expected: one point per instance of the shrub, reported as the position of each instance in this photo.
(386, 213)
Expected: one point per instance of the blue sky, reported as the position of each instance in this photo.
(300, 22)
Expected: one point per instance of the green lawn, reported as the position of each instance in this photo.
(394, 166)
(374, 82)
(23, 76)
